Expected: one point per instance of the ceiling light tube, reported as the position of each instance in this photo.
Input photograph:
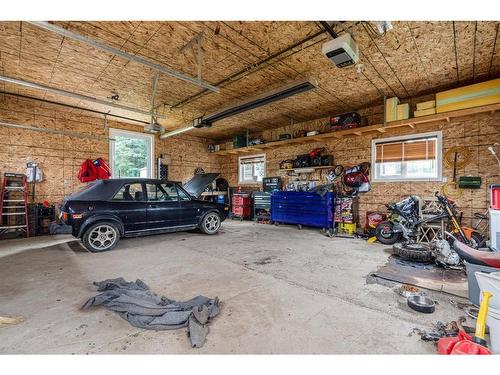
(177, 131)
(70, 94)
(117, 52)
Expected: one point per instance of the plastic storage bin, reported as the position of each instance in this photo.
(474, 292)
(495, 196)
(302, 208)
(491, 283)
(494, 229)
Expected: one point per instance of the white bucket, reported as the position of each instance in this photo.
(490, 282)
(493, 323)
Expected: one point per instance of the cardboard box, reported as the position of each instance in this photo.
(426, 105)
(469, 96)
(403, 111)
(425, 112)
(391, 109)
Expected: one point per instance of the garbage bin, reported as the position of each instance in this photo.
(471, 269)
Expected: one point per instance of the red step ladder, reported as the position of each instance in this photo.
(14, 204)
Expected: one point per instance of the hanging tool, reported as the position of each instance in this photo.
(455, 166)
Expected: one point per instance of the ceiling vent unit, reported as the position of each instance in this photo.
(153, 127)
(342, 51)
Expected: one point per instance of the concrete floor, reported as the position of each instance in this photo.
(283, 290)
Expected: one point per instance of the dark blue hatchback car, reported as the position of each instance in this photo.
(106, 210)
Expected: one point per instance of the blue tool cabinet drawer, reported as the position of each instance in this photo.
(304, 208)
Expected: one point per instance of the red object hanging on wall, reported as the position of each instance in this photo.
(93, 170)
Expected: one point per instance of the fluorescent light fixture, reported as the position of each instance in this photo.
(284, 92)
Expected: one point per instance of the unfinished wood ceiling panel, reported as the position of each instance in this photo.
(247, 59)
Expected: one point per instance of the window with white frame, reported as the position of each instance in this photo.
(251, 169)
(131, 154)
(415, 157)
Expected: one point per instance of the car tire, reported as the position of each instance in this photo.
(101, 236)
(211, 222)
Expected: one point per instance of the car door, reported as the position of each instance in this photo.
(130, 206)
(162, 205)
(189, 210)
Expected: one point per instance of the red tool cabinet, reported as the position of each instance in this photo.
(241, 205)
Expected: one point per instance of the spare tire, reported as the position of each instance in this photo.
(415, 252)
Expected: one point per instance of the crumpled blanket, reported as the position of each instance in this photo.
(134, 302)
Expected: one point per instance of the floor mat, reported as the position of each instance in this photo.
(428, 276)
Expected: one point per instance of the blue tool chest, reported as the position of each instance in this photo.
(304, 208)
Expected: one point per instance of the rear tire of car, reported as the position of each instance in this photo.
(211, 222)
(101, 236)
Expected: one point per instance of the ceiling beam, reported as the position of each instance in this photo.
(70, 94)
(127, 56)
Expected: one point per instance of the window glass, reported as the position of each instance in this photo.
(162, 192)
(416, 157)
(251, 169)
(183, 196)
(129, 192)
(130, 154)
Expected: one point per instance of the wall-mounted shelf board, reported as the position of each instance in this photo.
(380, 128)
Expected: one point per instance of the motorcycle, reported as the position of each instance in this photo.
(404, 223)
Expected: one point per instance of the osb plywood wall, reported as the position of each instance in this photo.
(60, 156)
(474, 132)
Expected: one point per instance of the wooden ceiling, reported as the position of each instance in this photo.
(245, 59)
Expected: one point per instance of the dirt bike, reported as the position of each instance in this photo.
(405, 224)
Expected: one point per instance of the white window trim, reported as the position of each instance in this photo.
(150, 152)
(240, 182)
(439, 156)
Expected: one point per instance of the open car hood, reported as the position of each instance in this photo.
(197, 185)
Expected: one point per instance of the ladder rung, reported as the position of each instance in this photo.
(13, 213)
(13, 227)
(13, 200)
(13, 207)
(16, 188)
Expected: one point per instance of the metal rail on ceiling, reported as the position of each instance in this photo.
(53, 131)
(127, 56)
(108, 114)
(70, 94)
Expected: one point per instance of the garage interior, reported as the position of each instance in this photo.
(409, 108)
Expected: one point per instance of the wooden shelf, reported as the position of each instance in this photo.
(380, 128)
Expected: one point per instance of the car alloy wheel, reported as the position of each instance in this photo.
(102, 237)
(211, 223)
